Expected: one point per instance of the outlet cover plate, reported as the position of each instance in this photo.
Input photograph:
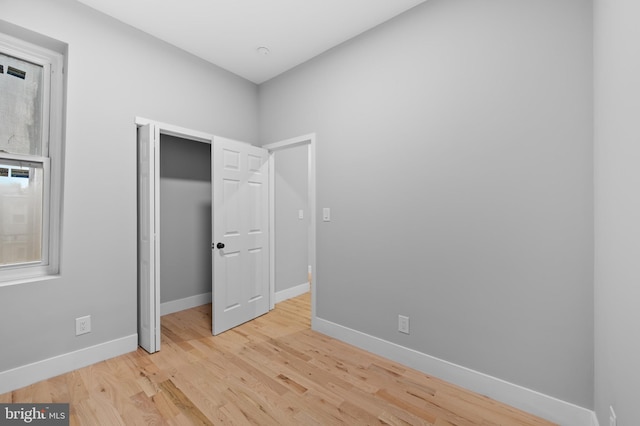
(83, 325)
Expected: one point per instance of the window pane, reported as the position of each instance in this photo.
(20, 106)
(21, 195)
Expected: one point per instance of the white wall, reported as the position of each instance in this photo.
(617, 214)
(454, 147)
(115, 73)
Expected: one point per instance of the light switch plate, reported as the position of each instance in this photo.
(403, 324)
(613, 420)
(326, 214)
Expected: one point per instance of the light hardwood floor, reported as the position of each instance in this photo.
(271, 371)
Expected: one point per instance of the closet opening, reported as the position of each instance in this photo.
(185, 224)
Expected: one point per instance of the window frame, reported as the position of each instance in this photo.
(50, 158)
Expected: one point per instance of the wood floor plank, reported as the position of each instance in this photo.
(142, 411)
(184, 404)
(271, 371)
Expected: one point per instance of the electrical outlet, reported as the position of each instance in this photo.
(613, 421)
(403, 324)
(83, 325)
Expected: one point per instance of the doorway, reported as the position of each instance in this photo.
(293, 167)
(150, 270)
(185, 225)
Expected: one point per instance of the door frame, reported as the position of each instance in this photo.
(154, 210)
(198, 136)
(310, 141)
(148, 242)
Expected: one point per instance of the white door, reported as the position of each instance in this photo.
(240, 246)
(148, 244)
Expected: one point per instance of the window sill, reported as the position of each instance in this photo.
(29, 280)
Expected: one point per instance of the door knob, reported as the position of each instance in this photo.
(220, 245)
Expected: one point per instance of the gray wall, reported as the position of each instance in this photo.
(115, 73)
(454, 147)
(291, 192)
(454, 150)
(617, 220)
(185, 218)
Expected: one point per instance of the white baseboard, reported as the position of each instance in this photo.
(528, 400)
(31, 373)
(294, 291)
(594, 420)
(186, 303)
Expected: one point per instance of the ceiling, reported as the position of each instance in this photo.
(228, 33)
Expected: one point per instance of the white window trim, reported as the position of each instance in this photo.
(51, 159)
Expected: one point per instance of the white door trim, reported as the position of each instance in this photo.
(310, 140)
(148, 239)
(154, 210)
(180, 132)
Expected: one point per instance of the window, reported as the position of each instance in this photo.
(31, 88)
